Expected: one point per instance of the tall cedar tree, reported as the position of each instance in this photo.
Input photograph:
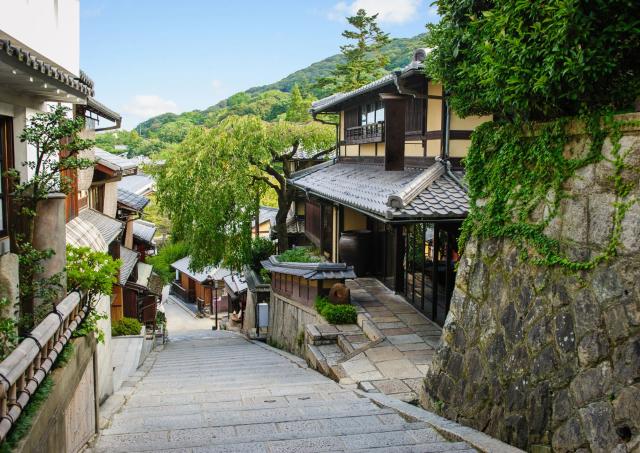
(210, 183)
(365, 61)
(299, 105)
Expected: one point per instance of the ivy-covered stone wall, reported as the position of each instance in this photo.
(541, 356)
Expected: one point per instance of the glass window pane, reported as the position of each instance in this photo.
(379, 112)
(371, 114)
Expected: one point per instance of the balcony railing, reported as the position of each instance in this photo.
(22, 372)
(368, 133)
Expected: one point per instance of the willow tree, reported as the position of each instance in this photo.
(210, 184)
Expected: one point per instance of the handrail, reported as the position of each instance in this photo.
(22, 372)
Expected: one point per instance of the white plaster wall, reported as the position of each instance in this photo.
(49, 27)
(110, 199)
(103, 351)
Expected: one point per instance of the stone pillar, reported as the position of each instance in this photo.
(50, 233)
(9, 279)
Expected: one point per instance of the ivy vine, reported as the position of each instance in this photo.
(517, 174)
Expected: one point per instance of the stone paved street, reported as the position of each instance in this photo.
(214, 391)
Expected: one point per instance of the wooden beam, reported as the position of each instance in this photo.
(395, 108)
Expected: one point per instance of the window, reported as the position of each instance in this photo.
(6, 162)
(371, 113)
(415, 120)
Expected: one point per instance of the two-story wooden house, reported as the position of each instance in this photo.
(392, 201)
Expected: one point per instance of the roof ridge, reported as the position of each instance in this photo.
(402, 198)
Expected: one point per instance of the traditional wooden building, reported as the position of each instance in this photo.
(204, 289)
(393, 200)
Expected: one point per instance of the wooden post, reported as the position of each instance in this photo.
(395, 108)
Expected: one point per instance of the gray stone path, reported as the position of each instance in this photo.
(212, 391)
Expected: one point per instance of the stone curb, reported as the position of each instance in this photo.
(449, 429)
(292, 358)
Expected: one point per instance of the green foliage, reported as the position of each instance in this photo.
(298, 109)
(168, 254)
(537, 60)
(364, 59)
(265, 276)
(211, 183)
(516, 175)
(336, 314)
(65, 355)
(8, 329)
(25, 421)
(298, 255)
(161, 319)
(90, 325)
(126, 326)
(261, 249)
(91, 272)
(135, 144)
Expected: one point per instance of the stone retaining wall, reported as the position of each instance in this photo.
(287, 321)
(545, 358)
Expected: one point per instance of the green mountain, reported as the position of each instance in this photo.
(267, 101)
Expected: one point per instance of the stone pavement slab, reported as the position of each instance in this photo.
(214, 391)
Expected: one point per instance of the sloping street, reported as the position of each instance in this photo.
(216, 391)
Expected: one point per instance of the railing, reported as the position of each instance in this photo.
(26, 367)
(368, 133)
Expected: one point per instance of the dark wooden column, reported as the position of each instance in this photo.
(395, 108)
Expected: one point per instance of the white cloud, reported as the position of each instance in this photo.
(146, 106)
(216, 84)
(396, 11)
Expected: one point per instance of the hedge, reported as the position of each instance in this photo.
(336, 314)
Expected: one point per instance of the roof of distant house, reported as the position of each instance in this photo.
(267, 213)
(131, 200)
(144, 231)
(209, 273)
(108, 227)
(129, 259)
(113, 161)
(139, 184)
(236, 283)
(434, 193)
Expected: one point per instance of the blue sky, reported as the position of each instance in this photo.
(152, 56)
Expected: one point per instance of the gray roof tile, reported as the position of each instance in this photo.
(108, 227)
(367, 187)
(143, 230)
(129, 259)
(139, 184)
(132, 200)
(209, 273)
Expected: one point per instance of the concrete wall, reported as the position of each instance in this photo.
(103, 351)
(542, 357)
(49, 27)
(286, 323)
(67, 418)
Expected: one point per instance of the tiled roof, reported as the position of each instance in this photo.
(143, 230)
(310, 271)
(267, 213)
(209, 273)
(31, 61)
(131, 200)
(236, 283)
(104, 111)
(81, 233)
(139, 184)
(108, 227)
(369, 188)
(144, 274)
(335, 99)
(113, 161)
(129, 259)
(295, 225)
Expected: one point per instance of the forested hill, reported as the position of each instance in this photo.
(267, 101)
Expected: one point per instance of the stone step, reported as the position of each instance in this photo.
(352, 432)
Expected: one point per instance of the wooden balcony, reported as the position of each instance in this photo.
(368, 133)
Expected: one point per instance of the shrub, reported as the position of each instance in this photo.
(298, 255)
(167, 255)
(536, 60)
(261, 249)
(125, 326)
(336, 314)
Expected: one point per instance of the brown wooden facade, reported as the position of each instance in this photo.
(301, 289)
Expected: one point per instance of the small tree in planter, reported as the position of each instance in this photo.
(54, 137)
(94, 274)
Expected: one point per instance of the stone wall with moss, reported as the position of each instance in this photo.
(542, 356)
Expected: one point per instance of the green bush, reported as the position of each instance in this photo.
(125, 326)
(537, 60)
(167, 255)
(336, 314)
(261, 249)
(298, 255)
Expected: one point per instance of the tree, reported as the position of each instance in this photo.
(210, 183)
(536, 60)
(298, 110)
(365, 61)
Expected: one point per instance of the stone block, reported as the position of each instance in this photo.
(601, 210)
(400, 369)
(574, 213)
(597, 422)
(568, 437)
(390, 386)
(626, 362)
(592, 348)
(630, 236)
(592, 384)
(616, 322)
(564, 332)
